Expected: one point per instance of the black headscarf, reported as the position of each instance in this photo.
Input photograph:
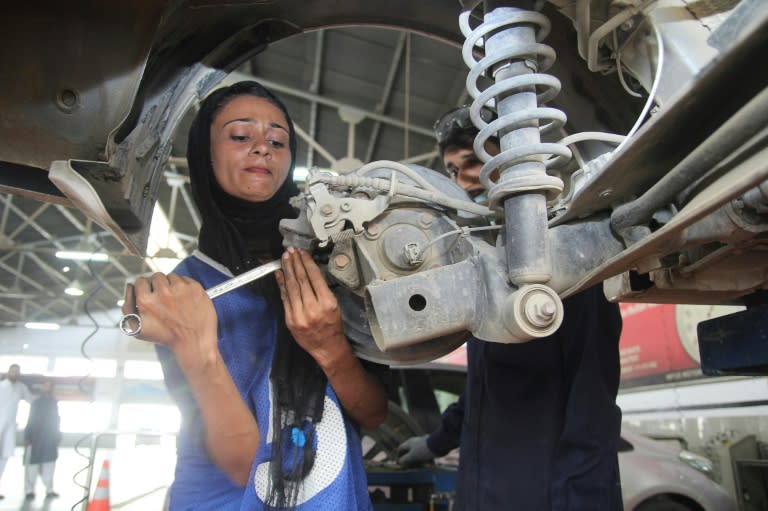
(237, 233)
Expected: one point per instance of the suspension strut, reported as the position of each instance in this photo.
(516, 178)
(513, 58)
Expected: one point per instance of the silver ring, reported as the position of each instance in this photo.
(126, 327)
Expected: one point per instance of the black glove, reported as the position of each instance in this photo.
(414, 452)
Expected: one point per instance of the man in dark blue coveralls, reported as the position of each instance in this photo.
(537, 425)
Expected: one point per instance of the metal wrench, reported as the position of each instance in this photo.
(130, 324)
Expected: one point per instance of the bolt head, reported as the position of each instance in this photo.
(341, 261)
(540, 310)
(372, 230)
(547, 309)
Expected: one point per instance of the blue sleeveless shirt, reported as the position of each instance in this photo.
(247, 336)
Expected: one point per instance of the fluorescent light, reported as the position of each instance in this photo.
(77, 255)
(74, 289)
(300, 174)
(42, 326)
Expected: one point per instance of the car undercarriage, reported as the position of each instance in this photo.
(672, 210)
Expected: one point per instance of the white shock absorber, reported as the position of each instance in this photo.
(516, 178)
(513, 58)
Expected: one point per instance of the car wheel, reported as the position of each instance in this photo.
(380, 444)
(665, 504)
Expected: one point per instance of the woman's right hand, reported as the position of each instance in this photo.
(176, 312)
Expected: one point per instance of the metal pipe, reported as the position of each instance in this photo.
(742, 177)
(583, 26)
(606, 28)
(748, 120)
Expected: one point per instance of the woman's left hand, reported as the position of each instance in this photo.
(312, 312)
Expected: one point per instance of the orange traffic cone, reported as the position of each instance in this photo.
(100, 500)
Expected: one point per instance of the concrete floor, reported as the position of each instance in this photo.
(138, 479)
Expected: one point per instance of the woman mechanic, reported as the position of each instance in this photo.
(270, 391)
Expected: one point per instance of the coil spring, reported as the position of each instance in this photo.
(549, 86)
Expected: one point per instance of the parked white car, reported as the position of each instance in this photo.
(655, 475)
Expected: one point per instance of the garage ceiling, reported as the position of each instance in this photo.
(355, 95)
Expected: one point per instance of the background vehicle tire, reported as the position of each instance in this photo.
(396, 429)
(665, 504)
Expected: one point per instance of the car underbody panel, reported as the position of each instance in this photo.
(676, 211)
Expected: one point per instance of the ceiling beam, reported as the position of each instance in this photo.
(314, 88)
(386, 93)
(307, 96)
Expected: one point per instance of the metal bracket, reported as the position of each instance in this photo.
(328, 214)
